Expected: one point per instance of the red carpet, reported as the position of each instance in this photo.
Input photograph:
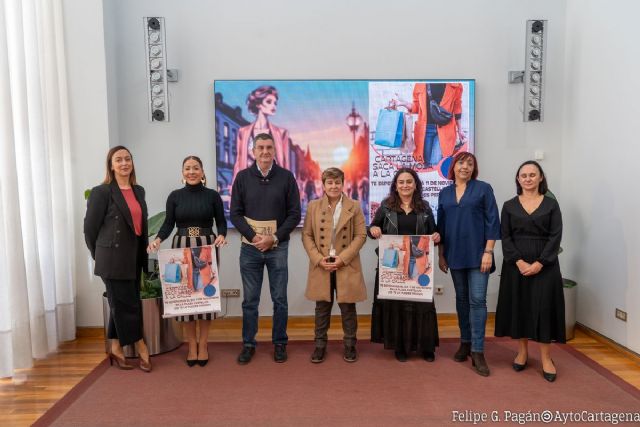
(376, 390)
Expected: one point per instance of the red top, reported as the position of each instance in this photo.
(134, 208)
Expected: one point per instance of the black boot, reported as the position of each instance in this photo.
(463, 352)
(479, 364)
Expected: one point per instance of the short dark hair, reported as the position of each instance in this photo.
(333, 173)
(543, 187)
(255, 98)
(110, 175)
(263, 137)
(197, 159)
(461, 156)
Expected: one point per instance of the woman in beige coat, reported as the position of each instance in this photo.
(333, 234)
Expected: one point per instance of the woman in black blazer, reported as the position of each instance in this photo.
(115, 230)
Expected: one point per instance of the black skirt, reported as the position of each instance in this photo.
(189, 242)
(404, 326)
(531, 306)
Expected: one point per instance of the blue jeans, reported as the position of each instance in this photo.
(252, 263)
(412, 268)
(471, 305)
(432, 151)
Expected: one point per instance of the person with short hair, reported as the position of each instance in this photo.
(469, 226)
(193, 209)
(265, 209)
(333, 234)
(115, 231)
(531, 296)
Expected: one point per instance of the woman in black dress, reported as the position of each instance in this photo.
(193, 209)
(531, 299)
(404, 326)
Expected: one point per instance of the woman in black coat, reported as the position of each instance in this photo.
(115, 230)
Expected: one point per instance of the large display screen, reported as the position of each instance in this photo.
(368, 129)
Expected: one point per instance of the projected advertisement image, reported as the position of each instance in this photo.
(368, 129)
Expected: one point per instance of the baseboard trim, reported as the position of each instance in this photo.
(609, 342)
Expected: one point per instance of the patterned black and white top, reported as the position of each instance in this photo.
(194, 206)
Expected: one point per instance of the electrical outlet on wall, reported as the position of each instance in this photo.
(621, 314)
(234, 293)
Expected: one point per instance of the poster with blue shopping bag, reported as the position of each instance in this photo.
(189, 278)
(389, 128)
(406, 268)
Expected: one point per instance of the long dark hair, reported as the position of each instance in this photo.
(543, 187)
(197, 159)
(110, 174)
(393, 201)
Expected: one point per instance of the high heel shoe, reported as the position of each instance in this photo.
(518, 367)
(548, 375)
(203, 362)
(120, 362)
(145, 365)
(191, 362)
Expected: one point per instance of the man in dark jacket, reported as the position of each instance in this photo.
(265, 208)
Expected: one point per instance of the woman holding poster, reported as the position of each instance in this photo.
(262, 102)
(193, 210)
(531, 298)
(333, 234)
(469, 225)
(115, 230)
(405, 326)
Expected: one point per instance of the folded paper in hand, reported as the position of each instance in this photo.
(265, 228)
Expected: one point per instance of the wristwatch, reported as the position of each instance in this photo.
(275, 241)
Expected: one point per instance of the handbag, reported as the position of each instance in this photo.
(390, 258)
(440, 115)
(416, 252)
(389, 128)
(199, 263)
(408, 144)
(172, 273)
(401, 255)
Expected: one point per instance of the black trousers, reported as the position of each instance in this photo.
(125, 321)
(323, 319)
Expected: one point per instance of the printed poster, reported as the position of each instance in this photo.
(406, 268)
(189, 278)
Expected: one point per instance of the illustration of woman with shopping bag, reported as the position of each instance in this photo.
(437, 133)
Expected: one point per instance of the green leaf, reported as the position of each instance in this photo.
(155, 222)
(87, 192)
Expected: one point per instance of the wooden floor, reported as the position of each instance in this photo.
(32, 391)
